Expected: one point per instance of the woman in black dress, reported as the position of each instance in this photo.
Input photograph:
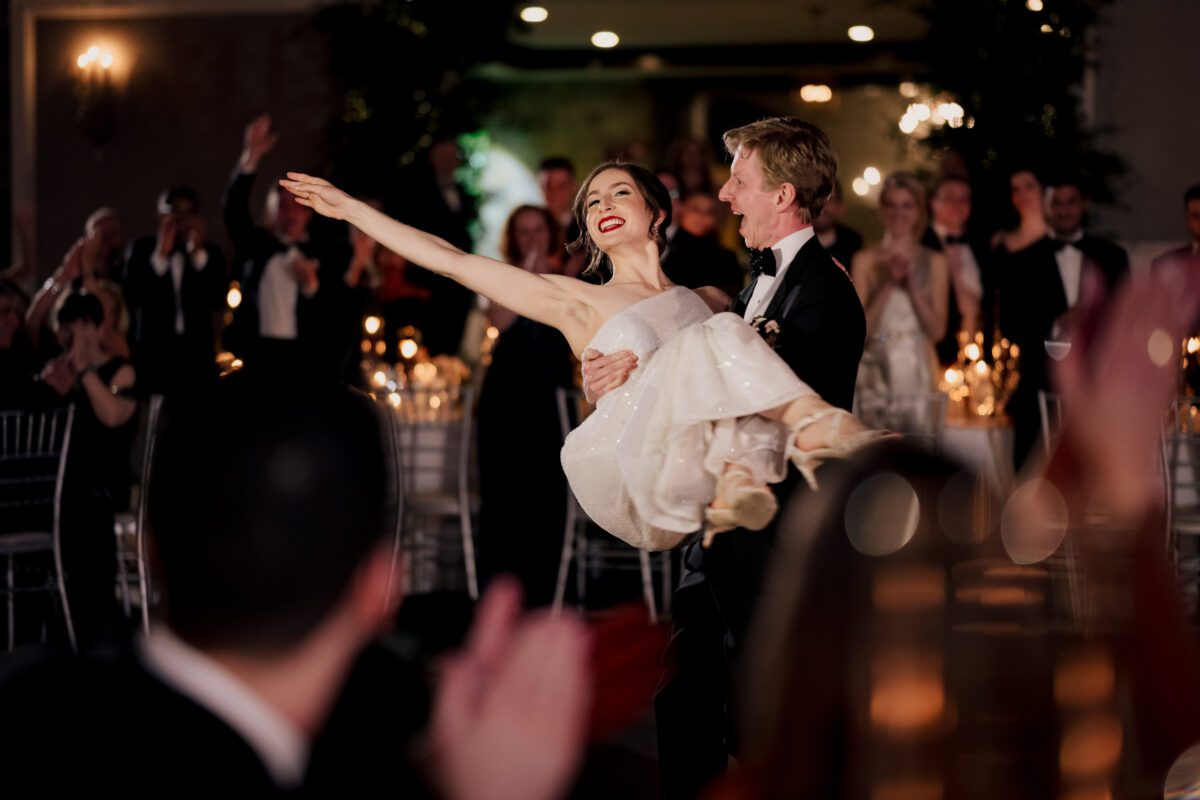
(522, 509)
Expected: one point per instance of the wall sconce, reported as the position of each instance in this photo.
(95, 94)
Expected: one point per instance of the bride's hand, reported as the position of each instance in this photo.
(318, 194)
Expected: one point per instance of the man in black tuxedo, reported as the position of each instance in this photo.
(269, 520)
(839, 241)
(694, 257)
(437, 203)
(948, 233)
(1040, 287)
(174, 285)
(294, 294)
(782, 173)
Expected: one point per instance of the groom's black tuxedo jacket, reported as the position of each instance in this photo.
(822, 332)
(822, 324)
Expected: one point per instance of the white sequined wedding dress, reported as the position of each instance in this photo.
(644, 465)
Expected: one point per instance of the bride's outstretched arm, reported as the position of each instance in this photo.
(550, 299)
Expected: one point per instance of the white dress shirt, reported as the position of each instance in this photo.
(279, 743)
(199, 258)
(278, 292)
(1070, 266)
(785, 251)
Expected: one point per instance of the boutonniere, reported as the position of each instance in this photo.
(768, 329)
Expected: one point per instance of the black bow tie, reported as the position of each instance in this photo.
(1059, 244)
(952, 239)
(762, 262)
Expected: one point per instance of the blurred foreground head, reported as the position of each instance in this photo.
(920, 639)
(264, 504)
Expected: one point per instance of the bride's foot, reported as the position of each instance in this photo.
(824, 434)
(739, 503)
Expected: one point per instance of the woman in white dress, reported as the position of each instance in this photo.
(710, 415)
(904, 290)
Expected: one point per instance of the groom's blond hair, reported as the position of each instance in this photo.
(790, 151)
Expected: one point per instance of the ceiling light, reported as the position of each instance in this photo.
(861, 33)
(534, 14)
(605, 39)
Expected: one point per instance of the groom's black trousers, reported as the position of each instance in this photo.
(696, 706)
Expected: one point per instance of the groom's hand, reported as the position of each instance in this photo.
(603, 373)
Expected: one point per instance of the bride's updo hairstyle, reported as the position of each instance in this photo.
(658, 200)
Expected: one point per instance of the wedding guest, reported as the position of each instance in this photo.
(838, 240)
(17, 363)
(1026, 195)
(269, 515)
(438, 203)
(904, 288)
(1187, 257)
(950, 214)
(894, 690)
(1191, 218)
(694, 257)
(97, 255)
(689, 159)
(291, 279)
(1039, 286)
(100, 384)
(518, 413)
(114, 328)
(556, 176)
(175, 286)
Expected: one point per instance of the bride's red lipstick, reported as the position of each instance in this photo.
(600, 225)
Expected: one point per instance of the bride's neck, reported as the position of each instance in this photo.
(640, 266)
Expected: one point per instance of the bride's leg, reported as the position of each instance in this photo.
(828, 424)
(820, 431)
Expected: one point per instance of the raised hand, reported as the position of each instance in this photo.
(167, 230)
(1120, 376)
(257, 142)
(72, 266)
(195, 234)
(318, 194)
(510, 716)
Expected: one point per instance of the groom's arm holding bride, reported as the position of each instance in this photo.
(603, 372)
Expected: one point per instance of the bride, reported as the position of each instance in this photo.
(700, 428)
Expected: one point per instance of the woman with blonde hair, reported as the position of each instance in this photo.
(904, 290)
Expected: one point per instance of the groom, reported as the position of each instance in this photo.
(782, 174)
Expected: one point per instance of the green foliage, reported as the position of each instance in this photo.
(1019, 74)
(401, 66)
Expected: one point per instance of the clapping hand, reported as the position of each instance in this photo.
(304, 270)
(1119, 377)
(195, 234)
(511, 710)
(59, 374)
(899, 268)
(318, 194)
(167, 231)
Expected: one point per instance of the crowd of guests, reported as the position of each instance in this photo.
(245, 471)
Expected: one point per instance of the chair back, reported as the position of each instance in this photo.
(33, 461)
(1050, 411)
(145, 588)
